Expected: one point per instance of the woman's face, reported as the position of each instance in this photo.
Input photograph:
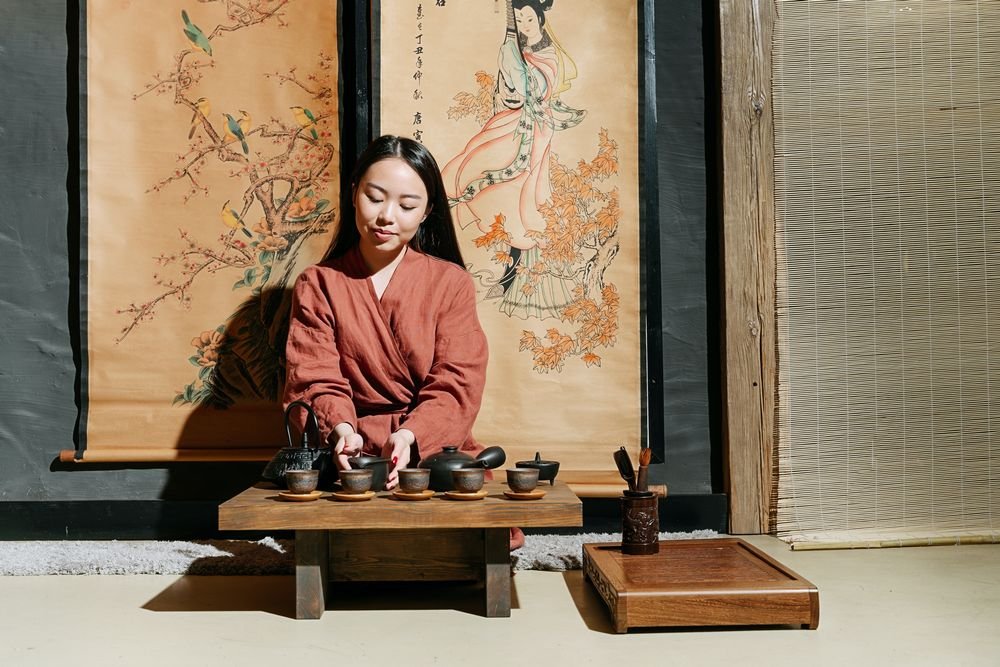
(390, 202)
(527, 25)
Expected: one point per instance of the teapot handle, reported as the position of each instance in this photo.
(312, 424)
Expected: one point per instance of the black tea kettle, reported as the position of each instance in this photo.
(308, 455)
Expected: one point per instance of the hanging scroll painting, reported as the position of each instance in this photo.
(531, 109)
(211, 181)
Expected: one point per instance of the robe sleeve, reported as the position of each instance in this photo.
(448, 400)
(313, 362)
(513, 73)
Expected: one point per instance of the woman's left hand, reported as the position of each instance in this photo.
(397, 450)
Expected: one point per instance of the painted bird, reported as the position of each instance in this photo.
(232, 219)
(234, 132)
(245, 122)
(204, 108)
(306, 120)
(195, 35)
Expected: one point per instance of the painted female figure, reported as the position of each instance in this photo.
(504, 169)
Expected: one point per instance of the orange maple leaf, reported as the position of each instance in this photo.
(610, 295)
(591, 359)
(572, 311)
(484, 80)
(478, 104)
(606, 338)
(497, 236)
(548, 358)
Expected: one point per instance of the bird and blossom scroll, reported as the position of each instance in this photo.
(531, 108)
(212, 180)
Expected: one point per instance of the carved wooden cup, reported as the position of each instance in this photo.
(640, 523)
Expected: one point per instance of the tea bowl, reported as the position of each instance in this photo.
(468, 480)
(356, 480)
(302, 481)
(414, 480)
(522, 480)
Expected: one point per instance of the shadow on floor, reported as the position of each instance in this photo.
(276, 595)
(592, 610)
(466, 597)
(273, 595)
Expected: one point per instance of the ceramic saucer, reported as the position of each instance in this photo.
(419, 495)
(529, 495)
(460, 495)
(353, 497)
(299, 497)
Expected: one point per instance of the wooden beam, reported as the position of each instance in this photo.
(747, 181)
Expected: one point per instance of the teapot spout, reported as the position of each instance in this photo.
(492, 457)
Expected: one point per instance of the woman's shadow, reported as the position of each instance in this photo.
(235, 422)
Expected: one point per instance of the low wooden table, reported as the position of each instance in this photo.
(706, 582)
(386, 539)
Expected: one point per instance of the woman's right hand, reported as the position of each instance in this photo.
(347, 446)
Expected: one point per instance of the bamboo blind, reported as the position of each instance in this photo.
(887, 198)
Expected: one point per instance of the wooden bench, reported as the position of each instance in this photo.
(386, 539)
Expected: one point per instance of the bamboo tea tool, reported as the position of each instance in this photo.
(642, 482)
(625, 468)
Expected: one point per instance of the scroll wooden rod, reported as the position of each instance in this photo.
(138, 455)
(608, 490)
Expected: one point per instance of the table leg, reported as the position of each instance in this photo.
(311, 561)
(497, 548)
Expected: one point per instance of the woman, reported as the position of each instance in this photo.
(504, 169)
(384, 341)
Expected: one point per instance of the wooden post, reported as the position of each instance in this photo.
(311, 559)
(749, 283)
(497, 574)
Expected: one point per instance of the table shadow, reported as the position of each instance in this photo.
(464, 596)
(270, 594)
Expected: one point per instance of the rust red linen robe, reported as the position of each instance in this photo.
(416, 359)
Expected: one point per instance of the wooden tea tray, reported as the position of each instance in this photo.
(721, 581)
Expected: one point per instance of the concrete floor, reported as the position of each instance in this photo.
(913, 606)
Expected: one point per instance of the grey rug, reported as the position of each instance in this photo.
(241, 557)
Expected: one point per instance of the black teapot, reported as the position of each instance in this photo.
(547, 470)
(307, 455)
(449, 458)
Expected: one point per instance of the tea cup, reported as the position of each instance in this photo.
(468, 480)
(302, 481)
(356, 480)
(414, 480)
(522, 480)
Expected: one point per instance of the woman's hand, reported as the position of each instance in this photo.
(397, 450)
(348, 444)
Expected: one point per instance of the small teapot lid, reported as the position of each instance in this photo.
(537, 461)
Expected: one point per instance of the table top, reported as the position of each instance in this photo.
(260, 508)
(704, 565)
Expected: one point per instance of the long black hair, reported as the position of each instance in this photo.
(540, 7)
(436, 234)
